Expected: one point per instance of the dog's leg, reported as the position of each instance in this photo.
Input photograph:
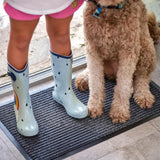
(154, 29)
(81, 81)
(96, 85)
(122, 92)
(145, 66)
(143, 97)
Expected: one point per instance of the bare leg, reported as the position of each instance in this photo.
(20, 36)
(59, 35)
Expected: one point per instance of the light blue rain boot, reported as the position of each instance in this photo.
(63, 93)
(26, 122)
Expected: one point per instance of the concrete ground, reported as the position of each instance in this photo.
(139, 143)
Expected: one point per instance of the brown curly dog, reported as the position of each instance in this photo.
(119, 45)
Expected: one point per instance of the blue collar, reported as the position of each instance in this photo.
(99, 7)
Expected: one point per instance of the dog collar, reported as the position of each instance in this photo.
(99, 7)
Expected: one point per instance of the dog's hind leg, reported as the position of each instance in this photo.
(81, 81)
(153, 26)
(145, 66)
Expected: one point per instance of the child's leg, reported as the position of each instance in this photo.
(58, 28)
(20, 36)
(59, 34)
(61, 57)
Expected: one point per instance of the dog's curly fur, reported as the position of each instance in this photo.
(119, 45)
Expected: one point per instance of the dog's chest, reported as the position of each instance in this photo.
(111, 30)
(109, 35)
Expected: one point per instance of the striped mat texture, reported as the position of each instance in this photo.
(61, 135)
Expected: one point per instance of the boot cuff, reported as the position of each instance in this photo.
(16, 70)
(58, 55)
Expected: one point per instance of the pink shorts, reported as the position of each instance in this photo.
(18, 15)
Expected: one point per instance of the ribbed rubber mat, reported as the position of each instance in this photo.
(60, 134)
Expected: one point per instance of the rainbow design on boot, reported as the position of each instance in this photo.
(16, 100)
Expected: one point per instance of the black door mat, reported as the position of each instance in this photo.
(61, 135)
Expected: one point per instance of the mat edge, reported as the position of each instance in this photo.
(79, 149)
(14, 142)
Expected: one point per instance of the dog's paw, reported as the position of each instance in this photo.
(119, 113)
(144, 101)
(95, 111)
(81, 82)
(95, 106)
